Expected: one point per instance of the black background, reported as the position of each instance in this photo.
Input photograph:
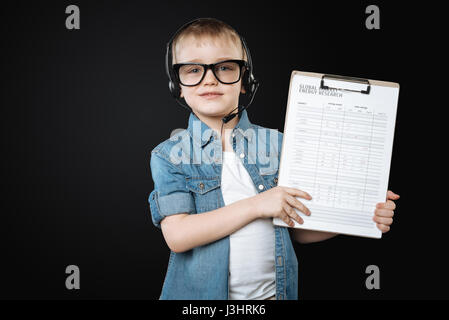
(82, 109)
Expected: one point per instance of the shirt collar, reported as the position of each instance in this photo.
(201, 133)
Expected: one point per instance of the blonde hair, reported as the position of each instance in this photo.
(208, 27)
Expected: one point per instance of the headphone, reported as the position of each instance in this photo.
(249, 82)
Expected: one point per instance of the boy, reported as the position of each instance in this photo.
(214, 196)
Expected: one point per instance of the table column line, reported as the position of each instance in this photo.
(339, 154)
(318, 149)
(367, 162)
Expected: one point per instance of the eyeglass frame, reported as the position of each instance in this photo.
(241, 63)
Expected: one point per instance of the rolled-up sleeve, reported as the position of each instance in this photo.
(170, 195)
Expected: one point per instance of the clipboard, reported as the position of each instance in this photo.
(337, 146)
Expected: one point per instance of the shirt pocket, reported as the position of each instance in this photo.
(270, 178)
(269, 172)
(206, 192)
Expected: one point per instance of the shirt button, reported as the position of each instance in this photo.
(242, 155)
(260, 187)
(201, 185)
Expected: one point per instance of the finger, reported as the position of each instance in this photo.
(292, 214)
(383, 228)
(390, 205)
(382, 220)
(391, 195)
(298, 193)
(384, 213)
(286, 218)
(292, 201)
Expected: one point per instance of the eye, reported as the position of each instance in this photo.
(193, 70)
(228, 66)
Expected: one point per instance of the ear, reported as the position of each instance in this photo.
(180, 93)
(242, 89)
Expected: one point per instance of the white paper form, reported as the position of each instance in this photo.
(337, 147)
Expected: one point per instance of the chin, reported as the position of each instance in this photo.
(212, 110)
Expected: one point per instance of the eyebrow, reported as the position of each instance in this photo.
(217, 60)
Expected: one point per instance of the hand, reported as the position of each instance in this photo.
(278, 202)
(383, 215)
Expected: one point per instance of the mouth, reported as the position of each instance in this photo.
(211, 95)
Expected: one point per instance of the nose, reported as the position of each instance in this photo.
(209, 77)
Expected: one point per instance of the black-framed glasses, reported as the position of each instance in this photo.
(226, 72)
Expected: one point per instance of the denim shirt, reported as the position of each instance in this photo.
(186, 171)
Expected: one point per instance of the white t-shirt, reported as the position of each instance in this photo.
(251, 259)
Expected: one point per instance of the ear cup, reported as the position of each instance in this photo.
(256, 85)
(174, 89)
(171, 87)
(245, 80)
(248, 82)
(251, 84)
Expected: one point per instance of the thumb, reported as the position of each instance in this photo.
(392, 196)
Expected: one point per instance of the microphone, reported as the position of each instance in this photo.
(232, 115)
